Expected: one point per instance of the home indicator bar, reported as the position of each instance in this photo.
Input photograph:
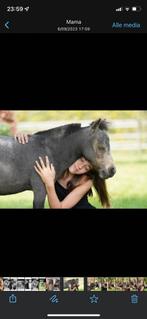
(74, 315)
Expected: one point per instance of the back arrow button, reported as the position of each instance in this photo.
(7, 25)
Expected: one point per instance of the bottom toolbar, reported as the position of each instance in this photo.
(69, 297)
(105, 305)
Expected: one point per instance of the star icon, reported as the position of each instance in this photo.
(94, 299)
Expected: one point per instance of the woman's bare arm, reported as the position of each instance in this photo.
(71, 199)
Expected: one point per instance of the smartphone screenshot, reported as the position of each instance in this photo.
(73, 159)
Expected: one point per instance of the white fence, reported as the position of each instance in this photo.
(135, 140)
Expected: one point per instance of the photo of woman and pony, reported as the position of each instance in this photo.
(68, 165)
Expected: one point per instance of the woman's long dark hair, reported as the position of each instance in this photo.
(101, 188)
(98, 183)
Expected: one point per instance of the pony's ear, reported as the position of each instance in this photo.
(100, 124)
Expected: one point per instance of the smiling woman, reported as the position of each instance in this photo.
(71, 190)
(81, 166)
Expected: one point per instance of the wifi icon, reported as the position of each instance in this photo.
(127, 8)
(54, 299)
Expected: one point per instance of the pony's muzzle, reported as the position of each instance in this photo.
(106, 173)
(112, 171)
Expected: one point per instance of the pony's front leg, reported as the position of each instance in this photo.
(39, 199)
(39, 191)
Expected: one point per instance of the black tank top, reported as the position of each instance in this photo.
(63, 192)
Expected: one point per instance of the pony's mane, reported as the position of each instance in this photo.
(68, 129)
(72, 128)
(102, 124)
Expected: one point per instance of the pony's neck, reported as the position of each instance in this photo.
(69, 150)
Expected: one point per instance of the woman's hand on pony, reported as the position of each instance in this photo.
(22, 138)
(46, 171)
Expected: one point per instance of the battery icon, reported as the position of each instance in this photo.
(136, 9)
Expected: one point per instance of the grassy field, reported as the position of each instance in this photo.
(128, 188)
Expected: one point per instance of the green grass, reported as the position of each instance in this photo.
(128, 188)
(21, 200)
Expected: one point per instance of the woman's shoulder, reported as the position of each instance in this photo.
(85, 179)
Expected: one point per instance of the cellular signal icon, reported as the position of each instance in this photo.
(54, 299)
(119, 9)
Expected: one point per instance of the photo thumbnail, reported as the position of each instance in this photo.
(73, 284)
(1, 284)
(38, 284)
(53, 284)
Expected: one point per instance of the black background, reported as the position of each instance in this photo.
(88, 72)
